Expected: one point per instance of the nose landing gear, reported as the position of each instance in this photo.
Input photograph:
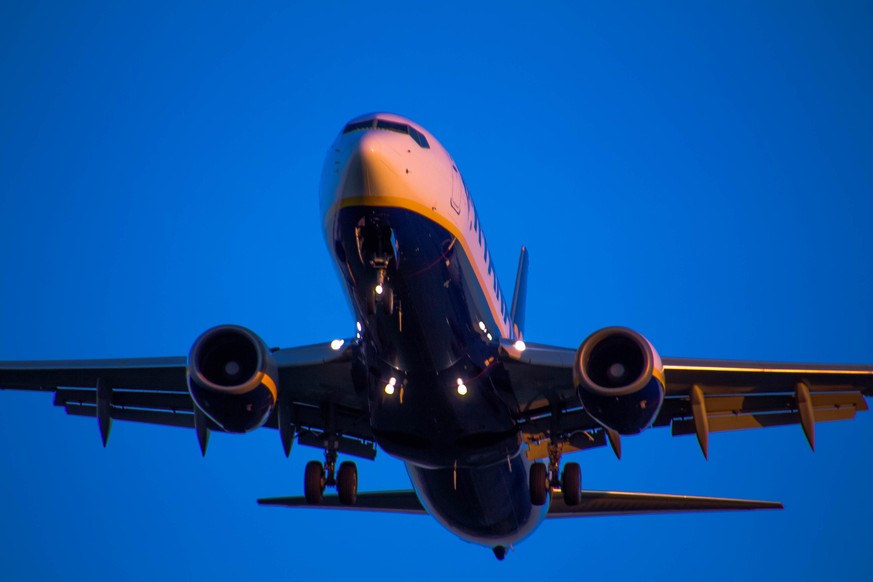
(377, 247)
(381, 293)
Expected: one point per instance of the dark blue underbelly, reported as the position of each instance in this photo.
(432, 339)
(463, 451)
(487, 505)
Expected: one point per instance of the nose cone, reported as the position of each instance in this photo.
(372, 167)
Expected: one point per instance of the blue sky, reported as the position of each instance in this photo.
(698, 172)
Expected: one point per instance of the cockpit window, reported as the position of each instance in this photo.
(359, 125)
(392, 126)
(403, 128)
(418, 137)
(388, 126)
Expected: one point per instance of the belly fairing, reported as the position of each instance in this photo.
(486, 505)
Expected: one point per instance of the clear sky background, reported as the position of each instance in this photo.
(700, 172)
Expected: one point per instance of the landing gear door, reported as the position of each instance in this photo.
(457, 188)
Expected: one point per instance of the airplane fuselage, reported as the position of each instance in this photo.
(408, 244)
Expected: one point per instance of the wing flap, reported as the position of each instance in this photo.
(179, 419)
(599, 503)
(381, 501)
(748, 404)
(171, 401)
(747, 421)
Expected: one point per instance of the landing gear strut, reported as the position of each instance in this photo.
(319, 476)
(381, 293)
(378, 247)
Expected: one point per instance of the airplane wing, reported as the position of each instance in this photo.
(702, 396)
(593, 503)
(155, 391)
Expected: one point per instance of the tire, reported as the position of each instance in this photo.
(571, 484)
(388, 301)
(347, 483)
(313, 482)
(539, 484)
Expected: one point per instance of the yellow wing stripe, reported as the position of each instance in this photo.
(769, 370)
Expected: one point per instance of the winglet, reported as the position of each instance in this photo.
(519, 295)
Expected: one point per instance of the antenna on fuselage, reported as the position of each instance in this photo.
(519, 296)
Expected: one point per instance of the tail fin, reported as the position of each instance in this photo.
(519, 296)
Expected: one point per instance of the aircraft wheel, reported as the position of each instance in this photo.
(313, 482)
(347, 483)
(539, 484)
(388, 301)
(571, 484)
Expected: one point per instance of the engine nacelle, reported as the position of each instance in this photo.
(620, 379)
(233, 378)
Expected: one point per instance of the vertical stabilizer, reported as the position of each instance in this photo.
(519, 296)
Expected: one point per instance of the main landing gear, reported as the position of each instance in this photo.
(319, 476)
(543, 479)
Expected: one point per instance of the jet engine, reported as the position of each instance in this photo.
(233, 378)
(620, 379)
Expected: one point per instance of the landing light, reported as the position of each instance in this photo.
(462, 389)
(379, 289)
(482, 325)
(359, 326)
(389, 387)
(488, 335)
(336, 344)
(519, 345)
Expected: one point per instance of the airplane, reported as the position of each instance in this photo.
(439, 373)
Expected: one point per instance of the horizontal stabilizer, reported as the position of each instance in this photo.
(593, 503)
(385, 501)
(596, 503)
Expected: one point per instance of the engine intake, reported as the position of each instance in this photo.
(620, 379)
(233, 378)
